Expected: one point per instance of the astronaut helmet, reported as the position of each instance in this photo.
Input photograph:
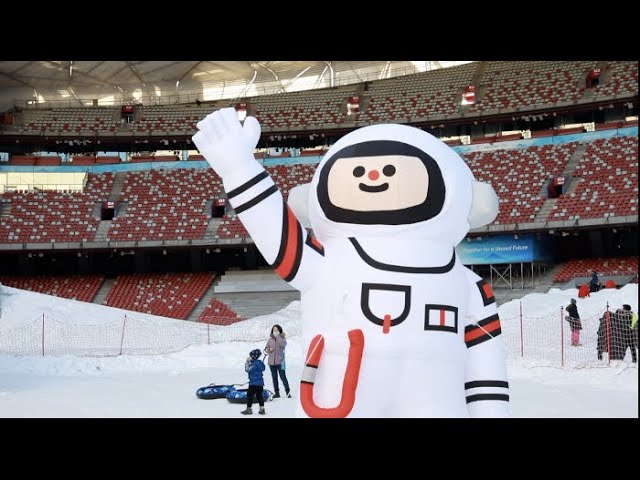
(395, 179)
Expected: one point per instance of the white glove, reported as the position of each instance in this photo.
(224, 143)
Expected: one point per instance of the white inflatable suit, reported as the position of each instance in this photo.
(395, 325)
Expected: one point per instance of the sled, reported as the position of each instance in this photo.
(213, 391)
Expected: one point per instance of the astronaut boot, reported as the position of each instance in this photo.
(262, 412)
(247, 411)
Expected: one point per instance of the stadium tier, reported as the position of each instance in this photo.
(176, 204)
(608, 182)
(219, 313)
(51, 216)
(161, 205)
(76, 287)
(498, 87)
(509, 85)
(172, 295)
(605, 267)
(519, 177)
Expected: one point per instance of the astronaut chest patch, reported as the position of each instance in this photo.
(385, 304)
(388, 305)
(443, 318)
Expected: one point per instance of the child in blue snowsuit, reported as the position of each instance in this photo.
(254, 367)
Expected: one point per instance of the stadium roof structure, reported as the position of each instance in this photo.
(113, 82)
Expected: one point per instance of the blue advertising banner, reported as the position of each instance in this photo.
(504, 249)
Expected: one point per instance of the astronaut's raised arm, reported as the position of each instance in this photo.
(295, 255)
(486, 385)
(228, 147)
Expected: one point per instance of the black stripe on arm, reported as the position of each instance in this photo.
(487, 396)
(283, 237)
(298, 258)
(247, 185)
(486, 383)
(481, 323)
(251, 203)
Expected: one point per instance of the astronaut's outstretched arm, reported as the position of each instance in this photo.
(295, 255)
(283, 242)
(486, 385)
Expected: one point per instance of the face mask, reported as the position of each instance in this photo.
(276, 333)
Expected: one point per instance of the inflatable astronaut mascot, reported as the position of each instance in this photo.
(394, 325)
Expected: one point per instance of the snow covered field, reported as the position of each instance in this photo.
(164, 385)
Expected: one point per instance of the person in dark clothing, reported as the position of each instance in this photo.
(275, 350)
(254, 367)
(594, 284)
(630, 336)
(620, 321)
(634, 332)
(603, 334)
(574, 322)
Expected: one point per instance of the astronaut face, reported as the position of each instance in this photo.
(380, 182)
(389, 182)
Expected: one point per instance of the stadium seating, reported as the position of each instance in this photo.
(522, 85)
(519, 176)
(438, 92)
(231, 227)
(165, 204)
(74, 120)
(609, 182)
(75, 287)
(509, 85)
(172, 295)
(623, 79)
(171, 204)
(302, 109)
(51, 216)
(219, 313)
(604, 266)
(170, 118)
(289, 176)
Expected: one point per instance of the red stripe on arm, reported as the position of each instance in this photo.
(481, 331)
(291, 246)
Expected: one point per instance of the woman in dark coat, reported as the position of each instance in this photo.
(275, 348)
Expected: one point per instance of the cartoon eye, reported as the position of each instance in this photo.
(358, 171)
(389, 170)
